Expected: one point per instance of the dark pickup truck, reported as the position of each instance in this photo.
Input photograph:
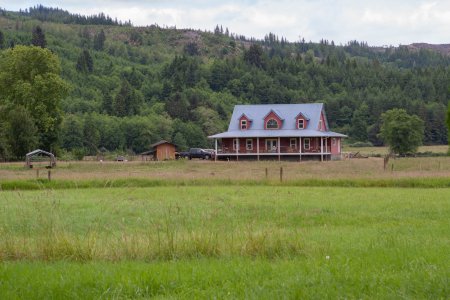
(197, 153)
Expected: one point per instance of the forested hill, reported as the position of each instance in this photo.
(132, 86)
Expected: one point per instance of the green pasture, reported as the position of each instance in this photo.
(236, 241)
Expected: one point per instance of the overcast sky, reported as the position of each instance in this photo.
(378, 22)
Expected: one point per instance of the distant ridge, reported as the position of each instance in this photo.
(441, 48)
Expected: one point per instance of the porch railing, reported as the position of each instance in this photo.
(263, 150)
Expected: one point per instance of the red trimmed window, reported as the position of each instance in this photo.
(272, 124)
(244, 124)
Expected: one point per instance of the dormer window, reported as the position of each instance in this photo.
(301, 124)
(320, 125)
(272, 124)
(244, 125)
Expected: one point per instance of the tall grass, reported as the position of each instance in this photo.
(41, 184)
(164, 223)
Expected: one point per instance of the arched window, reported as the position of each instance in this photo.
(272, 124)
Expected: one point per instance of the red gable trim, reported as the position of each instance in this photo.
(249, 122)
(301, 115)
(272, 115)
(273, 112)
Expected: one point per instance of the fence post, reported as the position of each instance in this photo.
(49, 175)
(392, 167)
(281, 174)
(267, 173)
(37, 173)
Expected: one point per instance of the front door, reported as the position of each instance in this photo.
(271, 145)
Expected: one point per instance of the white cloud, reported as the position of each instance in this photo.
(377, 22)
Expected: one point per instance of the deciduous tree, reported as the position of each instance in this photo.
(30, 78)
(402, 132)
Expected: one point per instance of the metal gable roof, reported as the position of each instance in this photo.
(288, 112)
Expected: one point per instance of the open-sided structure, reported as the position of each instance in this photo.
(39, 156)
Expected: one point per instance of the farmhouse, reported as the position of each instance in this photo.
(278, 131)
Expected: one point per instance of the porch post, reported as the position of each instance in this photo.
(321, 148)
(257, 147)
(279, 147)
(300, 147)
(215, 156)
(237, 148)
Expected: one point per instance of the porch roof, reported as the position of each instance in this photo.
(275, 133)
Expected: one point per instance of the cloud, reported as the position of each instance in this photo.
(377, 22)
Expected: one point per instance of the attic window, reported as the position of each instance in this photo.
(320, 125)
(272, 124)
(301, 124)
(243, 124)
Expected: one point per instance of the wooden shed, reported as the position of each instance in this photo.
(163, 150)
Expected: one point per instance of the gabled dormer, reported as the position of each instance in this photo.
(273, 121)
(301, 121)
(323, 123)
(244, 122)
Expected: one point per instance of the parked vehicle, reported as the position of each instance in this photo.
(196, 153)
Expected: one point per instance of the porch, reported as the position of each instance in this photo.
(274, 148)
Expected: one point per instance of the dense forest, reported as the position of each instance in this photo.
(132, 86)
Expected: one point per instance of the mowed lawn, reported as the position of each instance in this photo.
(225, 242)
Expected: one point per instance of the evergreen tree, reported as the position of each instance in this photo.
(91, 135)
(99, 41)
(38, 37)
(107, 104)
(254, 55)
(358, 128)
(85, 64)
(127, 101)
(2, 39)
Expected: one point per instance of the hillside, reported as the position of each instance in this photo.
(131, 86)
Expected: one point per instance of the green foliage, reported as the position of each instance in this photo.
(448, 125)
(254, 56)
(99, 41)
(38, 37)
(29, 78)
(402, 132)
(85, 63)
(2, 40)
(21, 132)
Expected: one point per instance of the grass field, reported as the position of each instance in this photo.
(234, 241)
(370, 168)
(437, 149)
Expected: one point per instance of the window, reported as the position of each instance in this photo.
(271, 145)
(293, 143)
(235, 144)
(301, 124)
(272, 124)
(249, 144)
(333, 140)
(306, 143)
(243, 124)
(320, 125)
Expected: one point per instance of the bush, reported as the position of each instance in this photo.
(361, 144)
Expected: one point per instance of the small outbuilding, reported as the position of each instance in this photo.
(162, 150)
(40, 157)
